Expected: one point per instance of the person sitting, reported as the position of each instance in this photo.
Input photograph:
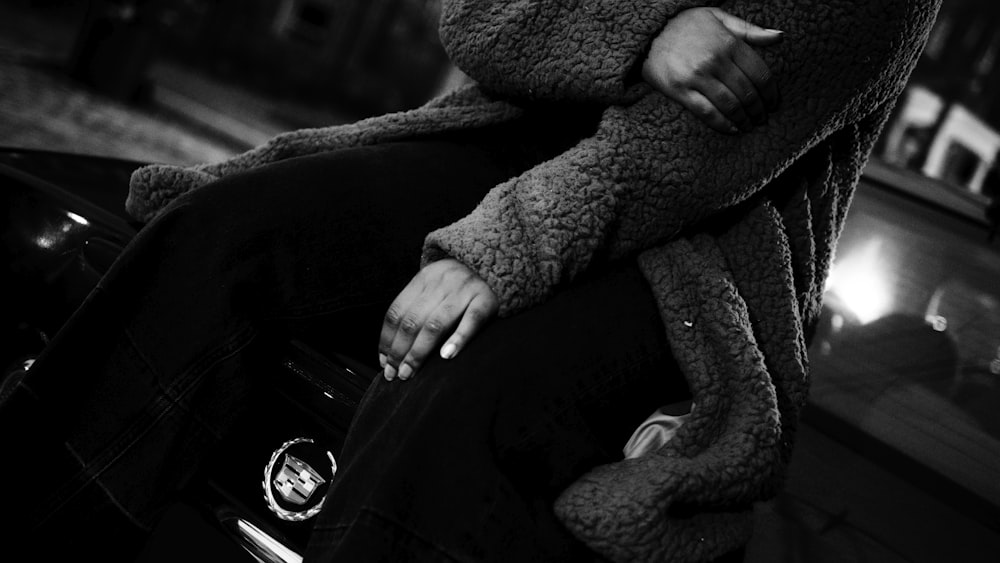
(635, 204)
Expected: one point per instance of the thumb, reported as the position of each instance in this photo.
(751, 33)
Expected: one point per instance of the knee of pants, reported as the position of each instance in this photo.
(204, 245)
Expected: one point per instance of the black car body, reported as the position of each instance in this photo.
(905, 364)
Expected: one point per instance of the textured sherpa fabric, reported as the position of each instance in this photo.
(734, 233)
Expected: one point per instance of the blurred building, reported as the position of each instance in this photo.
(374, 56)
(946, 125)
(369, 56)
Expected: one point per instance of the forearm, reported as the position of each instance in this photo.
(555, 50)
(653, 169)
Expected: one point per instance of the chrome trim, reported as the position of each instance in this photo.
(262, 546)
(272, 503)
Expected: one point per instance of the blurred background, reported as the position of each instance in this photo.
(899, 454)
(187, 81)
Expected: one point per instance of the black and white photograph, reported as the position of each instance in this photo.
(491, 281)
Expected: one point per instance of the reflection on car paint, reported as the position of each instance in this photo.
(861, 281)
(56, 235)
(907, 348)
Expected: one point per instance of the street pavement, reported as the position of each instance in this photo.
(42, 108)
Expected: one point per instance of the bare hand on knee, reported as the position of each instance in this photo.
(444, 295)
(704, 59)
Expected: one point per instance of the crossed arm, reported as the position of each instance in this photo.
(703, 58)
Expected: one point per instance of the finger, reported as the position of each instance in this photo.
(705, 110)
(430, 335)
(403, 321)
(727, 102)
(410, 325)
(394, 316)
(740, 88)
(481, 308)
(758, 73)
(749, 32)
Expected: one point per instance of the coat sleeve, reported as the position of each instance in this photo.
(652, 170)
(579, 50)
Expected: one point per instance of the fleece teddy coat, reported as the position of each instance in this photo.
(734, 233)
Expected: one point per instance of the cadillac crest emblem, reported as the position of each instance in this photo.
(296, 479)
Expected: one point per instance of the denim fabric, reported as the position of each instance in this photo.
(460, 463)
(463, 462)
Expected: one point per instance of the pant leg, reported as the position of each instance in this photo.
(149, 373)
(464, 461)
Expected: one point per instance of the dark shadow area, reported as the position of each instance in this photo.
(899, 449)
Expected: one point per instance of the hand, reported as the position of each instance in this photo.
(442, 295)
(704, 60)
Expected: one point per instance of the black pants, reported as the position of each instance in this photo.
(460, 463)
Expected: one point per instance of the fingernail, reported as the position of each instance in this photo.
(448, 351)
(382, 360)
(733, 130)
(405, 371)
(389, 372)
(778, 31)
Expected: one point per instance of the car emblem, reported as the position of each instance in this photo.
(296, 479)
